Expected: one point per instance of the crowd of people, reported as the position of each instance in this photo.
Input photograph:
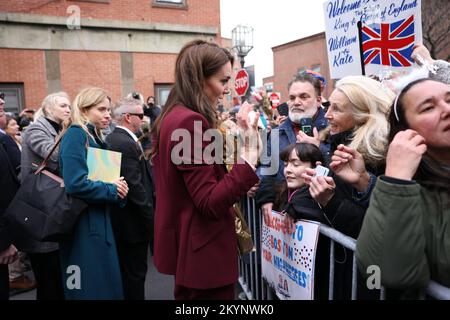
(386, 145)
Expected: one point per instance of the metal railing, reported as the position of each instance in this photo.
(255, 288)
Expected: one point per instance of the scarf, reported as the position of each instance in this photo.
(433, 174)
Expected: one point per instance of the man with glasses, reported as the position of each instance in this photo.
(133, 224)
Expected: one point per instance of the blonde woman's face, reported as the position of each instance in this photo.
(339, 114)
(99, 115)
(61, 110)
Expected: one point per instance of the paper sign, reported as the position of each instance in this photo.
(389, 31)
(103, 165)
(288, 260)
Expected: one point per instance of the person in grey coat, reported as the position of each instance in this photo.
(38, 140)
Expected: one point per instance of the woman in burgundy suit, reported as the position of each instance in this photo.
(195, 237)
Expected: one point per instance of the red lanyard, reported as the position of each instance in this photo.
(291, 195)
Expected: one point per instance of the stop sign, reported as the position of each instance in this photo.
(241, 82)
(275, 98)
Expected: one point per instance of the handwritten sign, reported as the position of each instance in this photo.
(390, 29)
(288, 259)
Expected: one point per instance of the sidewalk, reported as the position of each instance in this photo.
(157, 287)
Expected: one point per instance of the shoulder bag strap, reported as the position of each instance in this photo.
(44, 163)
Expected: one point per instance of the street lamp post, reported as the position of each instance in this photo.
(242, 39)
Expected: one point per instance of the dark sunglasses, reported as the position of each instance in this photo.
(2, 96)
(140, 115)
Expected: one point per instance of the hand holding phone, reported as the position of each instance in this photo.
(306, 126)
(321, 171)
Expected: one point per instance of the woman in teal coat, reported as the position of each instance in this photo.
(89, 260)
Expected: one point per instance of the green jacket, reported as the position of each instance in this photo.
(406, 232)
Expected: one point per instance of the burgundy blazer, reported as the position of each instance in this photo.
(195, 237)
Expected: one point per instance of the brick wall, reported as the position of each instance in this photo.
(80, 69)
(84, 68)
(200, 12)
(290, 57)
(28, 67)
(150, 69)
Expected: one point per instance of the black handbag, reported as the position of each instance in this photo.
(41, 206)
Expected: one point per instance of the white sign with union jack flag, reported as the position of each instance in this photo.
(371, 36)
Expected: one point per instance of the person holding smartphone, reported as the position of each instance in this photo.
(358, 139)
(304, 104)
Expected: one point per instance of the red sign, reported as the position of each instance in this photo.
(275, 98)
(241, 82)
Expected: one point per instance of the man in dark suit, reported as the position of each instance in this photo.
(9, 184)
(133, 224)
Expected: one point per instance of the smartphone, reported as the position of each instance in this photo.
(283, 109)
(321, 171)
(306, 126)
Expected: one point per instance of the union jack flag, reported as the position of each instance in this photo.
(389, 45)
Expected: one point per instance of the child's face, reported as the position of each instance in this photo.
(293, 171)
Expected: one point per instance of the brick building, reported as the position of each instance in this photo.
(119, 45)
(296, 56)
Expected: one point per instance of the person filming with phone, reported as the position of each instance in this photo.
(357, 135)
(305, 113)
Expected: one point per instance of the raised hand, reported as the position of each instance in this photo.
(421, 55)
(348, 164)
(304, 138)
(322, 189)
(404, 155)
(251, 146)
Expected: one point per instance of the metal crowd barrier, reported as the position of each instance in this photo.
(254, 286)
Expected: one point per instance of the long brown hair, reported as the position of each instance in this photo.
(198, 60)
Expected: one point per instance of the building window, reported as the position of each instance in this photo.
(269, 87)
(162, 93)
(177, 4)
(14, 97)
